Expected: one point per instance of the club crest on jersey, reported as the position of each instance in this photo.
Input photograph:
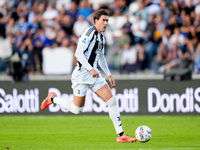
(100, 47)
(84, 40)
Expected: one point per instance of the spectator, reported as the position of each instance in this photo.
(73, 11)
(40, 9)
(152, 6)
(128, 59)
(5, 51)
(119, 43)
(180, 18)
(165, 39)
(11, 27)
(28, 55)
(197, 21)
(61, 15)
(50, 15)
(142, 60)
(138, 30)
(63, 3)
(187, 55)
(18, 38)
(160, 27)
(84, 9)
(175, 8)
(174, 60)
(177, 38)
(150, 27)
(41, 1)
(23, 25)
(197, 59)
(41, 35)
(189, 9)
(116, 22)
(29, 4)
(180, 58)
(22, 10)
(98, 4)
(162, 57)
(192, 35)
(173, 23)
(185, 27)
(34, 25)
(154, 42)
(5, 12)
(142, 11)
(67, 24)
(65, 42)
(59, 38)
(123, 39)
(73, 47)
(127, 25)
(165, 12)
(37, 50)
(51, 32)
(197, 8)
(80, 25)
(122, 4)
(198, 30)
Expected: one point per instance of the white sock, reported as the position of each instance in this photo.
(114, 114)
(67, 104)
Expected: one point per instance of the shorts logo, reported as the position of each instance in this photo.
(78, 92)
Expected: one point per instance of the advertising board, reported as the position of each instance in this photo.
(139, 97)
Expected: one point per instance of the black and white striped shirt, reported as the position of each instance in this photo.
(90, 50)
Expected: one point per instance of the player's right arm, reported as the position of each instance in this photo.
(83, 44)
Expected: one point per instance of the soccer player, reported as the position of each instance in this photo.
(89, 53)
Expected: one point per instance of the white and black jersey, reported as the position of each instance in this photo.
(90, 50)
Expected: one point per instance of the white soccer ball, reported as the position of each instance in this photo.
(143, 133)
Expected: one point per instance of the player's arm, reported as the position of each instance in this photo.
(104, 66)
(83, 44)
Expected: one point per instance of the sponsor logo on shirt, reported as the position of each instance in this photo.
(84, 40)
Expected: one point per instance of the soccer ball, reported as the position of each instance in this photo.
(143, 133)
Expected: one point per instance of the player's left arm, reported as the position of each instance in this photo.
(104, 66)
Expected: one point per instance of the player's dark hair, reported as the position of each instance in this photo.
(99, 13)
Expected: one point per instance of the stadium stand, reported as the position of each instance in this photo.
(165, 35)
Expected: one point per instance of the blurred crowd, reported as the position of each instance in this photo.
(155, 35)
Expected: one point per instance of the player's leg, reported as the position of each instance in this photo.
(105, 93)
(79, 91)
(79, 101)
(75, 107)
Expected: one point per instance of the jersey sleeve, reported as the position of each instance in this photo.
(103, 64)
(83, 44)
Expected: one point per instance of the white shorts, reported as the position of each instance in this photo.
(82, 80)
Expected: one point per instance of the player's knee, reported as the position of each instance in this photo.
(111, 101)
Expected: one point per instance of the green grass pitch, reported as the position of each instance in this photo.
(96, 132)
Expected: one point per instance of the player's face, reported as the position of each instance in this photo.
(101, 23)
